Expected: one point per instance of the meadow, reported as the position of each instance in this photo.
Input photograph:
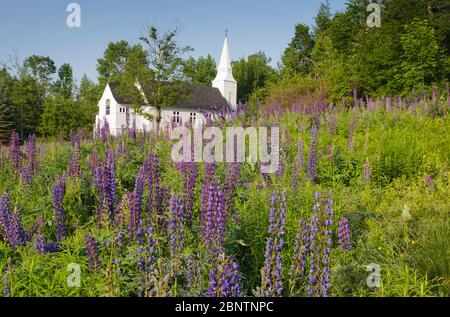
(358, 186)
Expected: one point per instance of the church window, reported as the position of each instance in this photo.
(108, 107)
(193, 117)
(176, 117)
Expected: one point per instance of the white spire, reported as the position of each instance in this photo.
(224, 80)
(224, 71)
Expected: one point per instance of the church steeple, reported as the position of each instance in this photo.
(224, 80)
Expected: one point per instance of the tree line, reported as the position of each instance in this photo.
(338, 57)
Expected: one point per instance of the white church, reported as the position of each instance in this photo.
(191, 110)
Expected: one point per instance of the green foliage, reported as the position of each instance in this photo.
(297, 57)
(6, 119)
(252, 74)
(423, 61)
(201, 71)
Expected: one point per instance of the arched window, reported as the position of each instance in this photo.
(108, 107)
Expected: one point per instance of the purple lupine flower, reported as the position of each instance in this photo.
(176, 226)
(58, 193)
(313, 149)
(194, 275)
(52, 247)
(301, 249)
(189, 172)
(320, 246)
(327, 237)
(428, 181)
(127, 116)
(233, 176)
(208, 179)
(153, 181)
(344, 234)
(146, 252)
(272, 283)
(225, 280)
(5, 214)
(120, 149)
(31, 153)
(110, 183)
(299, 164)
(132, 133)
(26, 175)
(435, 94)
(100, 182)
(104, 132)
(37, 226)
(367, 172)
(16, 234)
(214, 221)
(351, 131)
(122, 209)
(92, 252)
(29, 169)
(161, 217)
(74, 168)
(136, 204)
(14, 153)
(72, 138)
(39, 244)
(388, 104)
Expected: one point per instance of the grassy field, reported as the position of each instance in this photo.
(139, 225)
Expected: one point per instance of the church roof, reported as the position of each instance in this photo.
(200, 97)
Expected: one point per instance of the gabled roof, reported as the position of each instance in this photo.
(200, 97)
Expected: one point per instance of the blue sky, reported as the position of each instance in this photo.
(39, 27)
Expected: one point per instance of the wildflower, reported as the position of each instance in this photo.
(367, 171)
(189, 173)
(58, 192)
(301, 248)
(214, 221)
(10, 223)
(176, 226)
(272, 272)
(344, 234)
(29, 170)
(136, 204)
(351, 131)
(92, 252)
(194, 275)
(299, 163)
(312, 158)
(153, 181)
(320, 246)
(104, 131)
(110, 183)
(14, 152)
(428, 181)
(146, 252)
(74, 168)
(232, 179)
(39, 243)
(225, 280)
(208, 178)
(16, 234)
